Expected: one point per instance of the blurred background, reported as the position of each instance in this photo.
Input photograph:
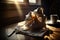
(14, 11)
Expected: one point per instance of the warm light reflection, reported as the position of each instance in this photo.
(21, 0)
(32, 1)
(18, 7)
(55, 34)
(17, 3)
(12, 1)
(51, 36)
(49, 22)
(58, 20)
(22, 25)
(42, 10)
(50, 27)
(46, 37)
(33, 15)
(53, 28)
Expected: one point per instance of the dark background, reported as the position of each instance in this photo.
(51, 7)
